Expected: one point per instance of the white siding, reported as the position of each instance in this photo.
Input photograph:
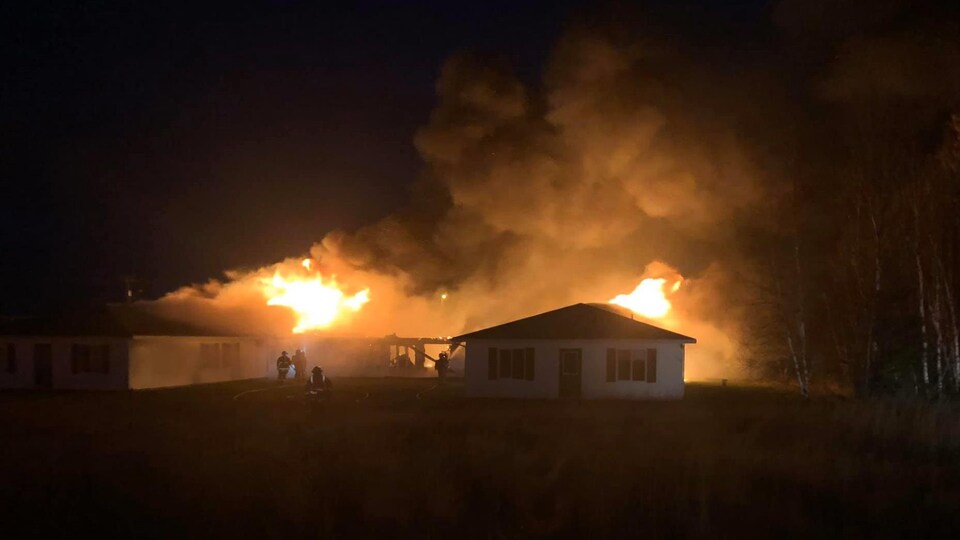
(140, 362)
(62, 365)
(546, 371)
(669, 383)
(594, 385)
(176, 361)
(115, 379)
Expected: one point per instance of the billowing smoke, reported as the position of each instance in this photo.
(631, 159)
(533, 200)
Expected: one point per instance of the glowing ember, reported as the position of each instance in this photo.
(317, 303)
(648, 299)
(307, 263)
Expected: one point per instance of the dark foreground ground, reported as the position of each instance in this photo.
(728, 462)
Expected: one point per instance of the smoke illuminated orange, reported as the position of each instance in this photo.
(648, 299)
(317, 303)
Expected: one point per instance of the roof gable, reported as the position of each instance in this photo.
(579, 321)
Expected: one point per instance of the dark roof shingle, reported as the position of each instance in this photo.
(579, 321)
(112, 320)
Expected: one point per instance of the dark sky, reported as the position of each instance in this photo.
(174, 143)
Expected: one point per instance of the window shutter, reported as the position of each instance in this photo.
(529, 364)
(651, 365)
(491, 363)
(611, 365)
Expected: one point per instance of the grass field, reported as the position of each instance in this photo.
(401, 458)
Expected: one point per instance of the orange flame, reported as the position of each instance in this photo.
(648, 299)
(318, 303)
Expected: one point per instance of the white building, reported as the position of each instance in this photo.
(119, 347)
(580, 351)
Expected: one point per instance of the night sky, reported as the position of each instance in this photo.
(174, 143)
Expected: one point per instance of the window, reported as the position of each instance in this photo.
(209, 355)
(529, 364)
(627, 365)
(86, 358)
(518, 362)
(510, 364)
(623, 365)
(570, 361)
(219, 355)
(8, 358)
(230, 354)
(611, 365)
(639, 366)
(506, 364)
(491, 363)
(651, 365)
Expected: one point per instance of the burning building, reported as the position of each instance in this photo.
(121, 347)
(583, 350)
(131, 346)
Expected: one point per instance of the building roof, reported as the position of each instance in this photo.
(112, 320)
(579, 321)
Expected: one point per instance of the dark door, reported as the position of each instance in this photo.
(570, 369)
(43, 365)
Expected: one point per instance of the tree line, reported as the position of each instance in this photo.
(857, 285)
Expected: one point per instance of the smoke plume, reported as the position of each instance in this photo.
(632, 158)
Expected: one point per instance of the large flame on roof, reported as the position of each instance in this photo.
(649, 298)
(317, 302)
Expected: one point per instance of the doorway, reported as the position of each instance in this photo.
(43, 365)
(570, 372)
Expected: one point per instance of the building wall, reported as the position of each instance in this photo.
(157, 362)
(339, 357)
(546, 383)
(62, 365)
(546, 380)
(670, 364)
(22, 375)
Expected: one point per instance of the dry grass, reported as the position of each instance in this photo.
(723, 462)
